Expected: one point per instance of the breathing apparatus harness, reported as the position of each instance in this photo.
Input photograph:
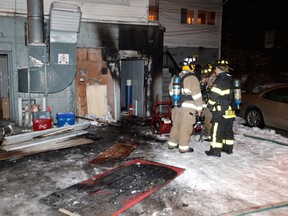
(179, 96)
(235, 96)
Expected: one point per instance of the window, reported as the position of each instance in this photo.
(279, 95)
(153, 13)
(210, 18)
(201, 17)
(204, 17)
(187, 16)
(269, 39)
(190, 17)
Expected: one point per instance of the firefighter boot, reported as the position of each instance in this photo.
(228, 149)
(184, 150)
(214, 152)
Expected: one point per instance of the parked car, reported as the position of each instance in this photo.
(267, 106)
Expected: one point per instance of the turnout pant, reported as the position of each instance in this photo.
(228, 134)
(183, 120)
(222, 133)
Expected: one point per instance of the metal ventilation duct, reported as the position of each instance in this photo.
(65, 17)
(41, 75)
(35, 21)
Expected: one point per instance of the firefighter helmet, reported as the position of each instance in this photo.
(222, 65)
(189, 63)
(206, 71)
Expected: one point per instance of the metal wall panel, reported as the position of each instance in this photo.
(136, 12)
(133, 11)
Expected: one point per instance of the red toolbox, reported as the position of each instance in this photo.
(42, 124)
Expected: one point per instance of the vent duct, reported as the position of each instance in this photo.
(35, 21)
(54, 71)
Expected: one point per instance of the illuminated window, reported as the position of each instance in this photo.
(190, 17)
(201, 17)
(210, 18)
(153, 13)
(187, 16)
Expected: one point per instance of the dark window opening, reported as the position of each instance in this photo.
(210, 18)
(201, 17)
(278, 95)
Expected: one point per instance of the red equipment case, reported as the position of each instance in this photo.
(161, 120)
(42, 124)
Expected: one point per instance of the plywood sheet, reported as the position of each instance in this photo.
(96, 99)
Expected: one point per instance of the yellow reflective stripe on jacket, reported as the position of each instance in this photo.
(186, 91)
(197, 96)
(192, 106)
(211, 102)
(220, 92)
(199, 108)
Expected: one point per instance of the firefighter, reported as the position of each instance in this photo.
(219, 103)
(184, 112)
(207, 78)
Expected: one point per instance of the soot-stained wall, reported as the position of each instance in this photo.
(112, 38)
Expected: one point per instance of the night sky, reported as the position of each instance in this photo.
(245, 24)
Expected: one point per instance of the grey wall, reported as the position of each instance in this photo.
(12, 42)
(148, 40)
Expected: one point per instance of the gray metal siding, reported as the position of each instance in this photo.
(135, 11)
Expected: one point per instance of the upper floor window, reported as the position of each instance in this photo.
(201, 17)
(187, 16)
(204, 17)
(211, 17)
(153, 13)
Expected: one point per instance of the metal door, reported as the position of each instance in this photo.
(4, 79)
(133, 70)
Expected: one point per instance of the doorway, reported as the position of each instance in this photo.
(4, 87)
(133, 70)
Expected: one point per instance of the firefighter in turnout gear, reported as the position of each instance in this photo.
(189, 104)
(207, 78)
(220, 104)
